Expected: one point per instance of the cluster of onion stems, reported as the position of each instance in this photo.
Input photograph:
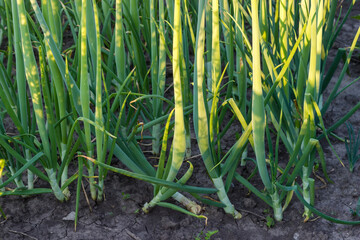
(92, 81)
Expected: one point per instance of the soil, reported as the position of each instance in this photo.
(120, 215)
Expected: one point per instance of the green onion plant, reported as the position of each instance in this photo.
(96, 81)
(352, 144)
